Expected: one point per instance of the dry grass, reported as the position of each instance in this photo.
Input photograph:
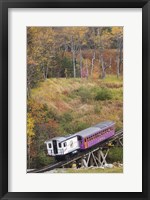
(89, 170)
(77, 96)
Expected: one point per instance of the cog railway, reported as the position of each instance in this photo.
(95, 155)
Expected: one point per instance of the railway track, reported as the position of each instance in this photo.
(118, 135)
(47, 168)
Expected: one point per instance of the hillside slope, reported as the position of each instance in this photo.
(64, 106)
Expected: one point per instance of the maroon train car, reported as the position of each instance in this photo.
(95, 134)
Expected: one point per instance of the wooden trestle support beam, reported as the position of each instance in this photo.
(95, 158)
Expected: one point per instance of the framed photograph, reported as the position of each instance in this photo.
(74, 91)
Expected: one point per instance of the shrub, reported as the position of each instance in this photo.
(103, 94)
(95, 89)
(52, 114)
(97, 109)
(65, 123)
(42, 160)
(66, 117)
(84, 94)
(117, 94)
(115, 154)
(67, 128)
(80, 126)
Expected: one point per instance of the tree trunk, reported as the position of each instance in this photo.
(118, 66)
(46, 72)
(92, 67)
(73, 57)
(87, 71)
(80, 63)
(103, 69)
(119, 56)
(28, 90)
(120, 59)
(29, 162)
(74, 64)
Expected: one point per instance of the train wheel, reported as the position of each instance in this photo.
(67, 157)
(57, 159)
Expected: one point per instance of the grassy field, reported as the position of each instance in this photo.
(81, 102)
(98, 170)
(88, 170)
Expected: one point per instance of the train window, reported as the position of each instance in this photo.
(80, 138)
(59, 145)
(65, 144)
(50, 145)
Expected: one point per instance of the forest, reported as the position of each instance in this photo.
(74, 80)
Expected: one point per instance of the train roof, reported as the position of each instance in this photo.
(86, 132)
(94, 129)
(61, 139)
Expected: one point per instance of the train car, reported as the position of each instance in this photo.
(61, 146)
(95, 134)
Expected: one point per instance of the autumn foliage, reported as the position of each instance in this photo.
(74, 80)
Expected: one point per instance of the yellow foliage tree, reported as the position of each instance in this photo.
(30, 125)
(30, 134)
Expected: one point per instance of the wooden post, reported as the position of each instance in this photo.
(104, 157)
(91, 161)
(94, 159)
(99, 156)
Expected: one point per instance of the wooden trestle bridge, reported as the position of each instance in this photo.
(95, 156)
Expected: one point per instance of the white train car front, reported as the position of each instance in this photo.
(61, 146)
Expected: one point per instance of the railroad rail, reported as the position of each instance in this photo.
(85, 156)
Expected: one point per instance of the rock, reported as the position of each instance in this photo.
(109, 165)
(115, 163)
(101, 167)
(118, 164)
